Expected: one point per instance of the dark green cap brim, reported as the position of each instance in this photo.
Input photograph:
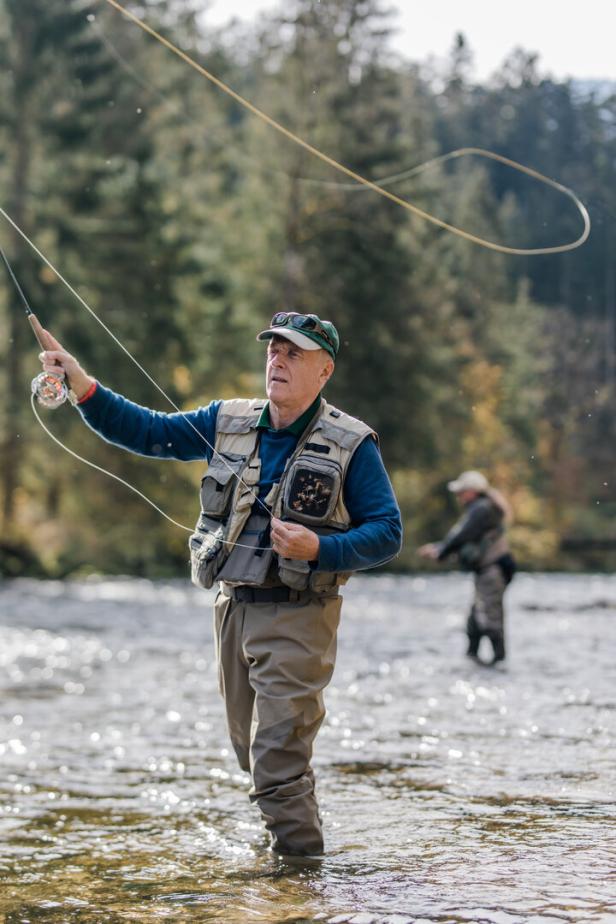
(306, 339)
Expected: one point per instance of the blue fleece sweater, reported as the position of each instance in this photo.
(376, 532)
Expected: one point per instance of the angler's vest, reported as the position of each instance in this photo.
(310, 492)
(482, 552)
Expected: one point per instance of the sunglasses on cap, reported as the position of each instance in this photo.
(302, 322)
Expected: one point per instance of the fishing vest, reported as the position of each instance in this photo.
(232, 533)
(487, 549)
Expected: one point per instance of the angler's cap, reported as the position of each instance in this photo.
(307, 331)
(469, 481)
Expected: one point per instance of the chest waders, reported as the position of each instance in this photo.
(494, 567)
(275, 620)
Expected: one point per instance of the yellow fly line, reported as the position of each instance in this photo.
(358, 178)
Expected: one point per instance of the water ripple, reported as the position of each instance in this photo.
(450, 793)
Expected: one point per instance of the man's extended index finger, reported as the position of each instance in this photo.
(53, 343)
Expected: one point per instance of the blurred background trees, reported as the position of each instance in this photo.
(185, 222)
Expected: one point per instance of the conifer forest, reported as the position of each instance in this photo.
(185, 222)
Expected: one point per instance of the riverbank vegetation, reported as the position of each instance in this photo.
(186, 222)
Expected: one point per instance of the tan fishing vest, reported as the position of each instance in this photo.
(309, 492)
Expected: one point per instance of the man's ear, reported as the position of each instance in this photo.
(327, 371)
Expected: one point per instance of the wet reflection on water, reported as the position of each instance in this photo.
(450, 792)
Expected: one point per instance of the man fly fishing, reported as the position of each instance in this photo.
(295, 499)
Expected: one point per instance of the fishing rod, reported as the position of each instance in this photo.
(49, 388)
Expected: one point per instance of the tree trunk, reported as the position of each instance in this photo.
(610, 317)
(14, 398)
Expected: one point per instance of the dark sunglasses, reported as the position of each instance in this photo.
(301, 322)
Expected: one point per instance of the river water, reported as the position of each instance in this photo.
(450, 792)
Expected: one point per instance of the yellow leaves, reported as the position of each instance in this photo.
(182, 379)
(47, 275)
(534, 536)
(534, 548)
(486, 438)
(487, 442)
(490, 445)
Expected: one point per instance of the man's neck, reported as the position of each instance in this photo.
(282, 416)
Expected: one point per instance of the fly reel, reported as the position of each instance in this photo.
(50, 389)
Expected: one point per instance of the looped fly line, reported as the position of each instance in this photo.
(358, 178)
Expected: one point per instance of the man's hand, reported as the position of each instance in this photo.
(56, 359)
(430, 550)
(290, 540)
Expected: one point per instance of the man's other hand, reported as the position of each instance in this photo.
(430, 550)
(290, 540)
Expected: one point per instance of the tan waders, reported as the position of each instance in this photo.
(275, 657)
(486, 617)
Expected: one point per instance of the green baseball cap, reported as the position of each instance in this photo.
(307, 331)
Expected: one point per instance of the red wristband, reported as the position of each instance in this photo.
(88, 394)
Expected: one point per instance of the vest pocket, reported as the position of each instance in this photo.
(250, 558)
(299, 576)
(321, 581)
(217, 485)
(207, 552)
(294, 573)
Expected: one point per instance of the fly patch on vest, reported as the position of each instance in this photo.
(312, 488)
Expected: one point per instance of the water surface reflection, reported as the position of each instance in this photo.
(450, 792)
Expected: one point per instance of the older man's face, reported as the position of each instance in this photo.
(295, 376)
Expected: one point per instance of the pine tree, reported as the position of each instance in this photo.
(78, 166)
